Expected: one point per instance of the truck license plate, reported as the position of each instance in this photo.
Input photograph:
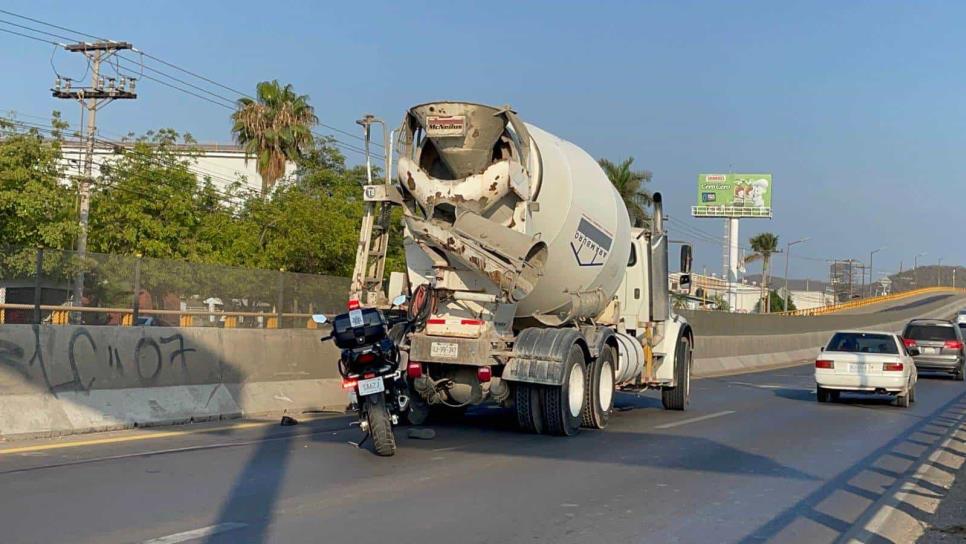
(371, 386)
(444, 350)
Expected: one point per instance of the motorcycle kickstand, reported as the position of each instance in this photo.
(361, 442)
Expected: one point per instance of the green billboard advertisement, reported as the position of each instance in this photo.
(733, 195)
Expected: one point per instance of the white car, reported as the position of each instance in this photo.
(961, 317)
(866, 362)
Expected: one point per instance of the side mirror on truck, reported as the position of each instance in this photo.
(684, 281)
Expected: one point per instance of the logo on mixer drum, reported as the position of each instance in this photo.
(590, 244)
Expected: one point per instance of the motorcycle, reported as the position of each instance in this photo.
(369, 366)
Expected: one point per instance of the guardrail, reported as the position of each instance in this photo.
(858, 303)
(60, 315)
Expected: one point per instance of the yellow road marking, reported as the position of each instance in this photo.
(137, 437)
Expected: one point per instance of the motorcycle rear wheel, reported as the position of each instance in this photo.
(380, 426)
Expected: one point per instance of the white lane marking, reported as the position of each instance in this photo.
(694, 419)
(197, 533)
(770, 386)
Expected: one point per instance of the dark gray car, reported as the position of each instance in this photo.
(938, 344)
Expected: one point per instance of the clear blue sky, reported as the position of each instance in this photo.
(856, 107)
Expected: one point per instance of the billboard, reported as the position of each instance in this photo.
(733, 195)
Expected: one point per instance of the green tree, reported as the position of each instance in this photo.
(36, 207)
(776, 303)
(764, 246)
(631, 186)
(276, 127)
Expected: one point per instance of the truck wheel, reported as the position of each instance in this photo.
(527, 403)
(380, 427)
(563, 404)
(678, 397)
(599, 395)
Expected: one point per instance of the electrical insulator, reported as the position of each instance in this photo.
(67, 82)
(57, 84)
(111, 83)
(133, 82)
(123, 84)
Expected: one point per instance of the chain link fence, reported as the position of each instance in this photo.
(59, 287)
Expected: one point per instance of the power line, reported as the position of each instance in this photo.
(336, 141)
(30, 37)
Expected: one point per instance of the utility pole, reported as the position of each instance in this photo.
(92, 98)
(939, 273)
(788, 251)
(872, 270)
(915, 269)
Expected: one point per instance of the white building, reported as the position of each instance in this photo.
(224, 164)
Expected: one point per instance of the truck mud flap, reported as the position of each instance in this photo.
(539, 355)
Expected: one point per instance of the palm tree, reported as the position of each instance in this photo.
(630, 184)
(763, 245)
(276, 127)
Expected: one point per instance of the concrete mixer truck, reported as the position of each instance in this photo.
(527, 286)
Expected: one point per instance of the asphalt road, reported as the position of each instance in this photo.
(755, 459)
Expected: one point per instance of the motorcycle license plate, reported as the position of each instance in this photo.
(371, 386)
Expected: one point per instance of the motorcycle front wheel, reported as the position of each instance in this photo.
(380, 426)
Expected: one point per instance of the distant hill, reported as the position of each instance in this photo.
(929, 276)
(778, 282)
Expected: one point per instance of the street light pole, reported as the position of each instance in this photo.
(872, 270)
(788, 249)
(915, 268)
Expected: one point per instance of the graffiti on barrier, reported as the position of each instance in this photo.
(148, 358)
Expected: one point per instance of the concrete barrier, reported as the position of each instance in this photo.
(67, 379)
(747, 343)
(70, 379)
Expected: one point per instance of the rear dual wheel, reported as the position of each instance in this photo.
(599, 393)
(556, 409)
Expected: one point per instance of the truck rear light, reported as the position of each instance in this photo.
(909, 342)
(821, 363)
(954, 344)
(348, 384)
(435, 321)
(353, 304)
(414, 369)
(471, 322)
(484, 374)
(892, 367)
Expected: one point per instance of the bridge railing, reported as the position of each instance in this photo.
(859, 303)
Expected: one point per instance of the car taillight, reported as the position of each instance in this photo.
(414, 369)
(909, 342)
(892, 367)
(824, 364)
(353, 304)
(484, 374)
(349, 384)
(954, 344)
(366, 358)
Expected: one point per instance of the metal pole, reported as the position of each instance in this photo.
(38, 272)
(137, 292)
(939, 273)
(788, 249)
(281, 297)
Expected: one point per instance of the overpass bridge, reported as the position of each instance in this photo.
(755, 459)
